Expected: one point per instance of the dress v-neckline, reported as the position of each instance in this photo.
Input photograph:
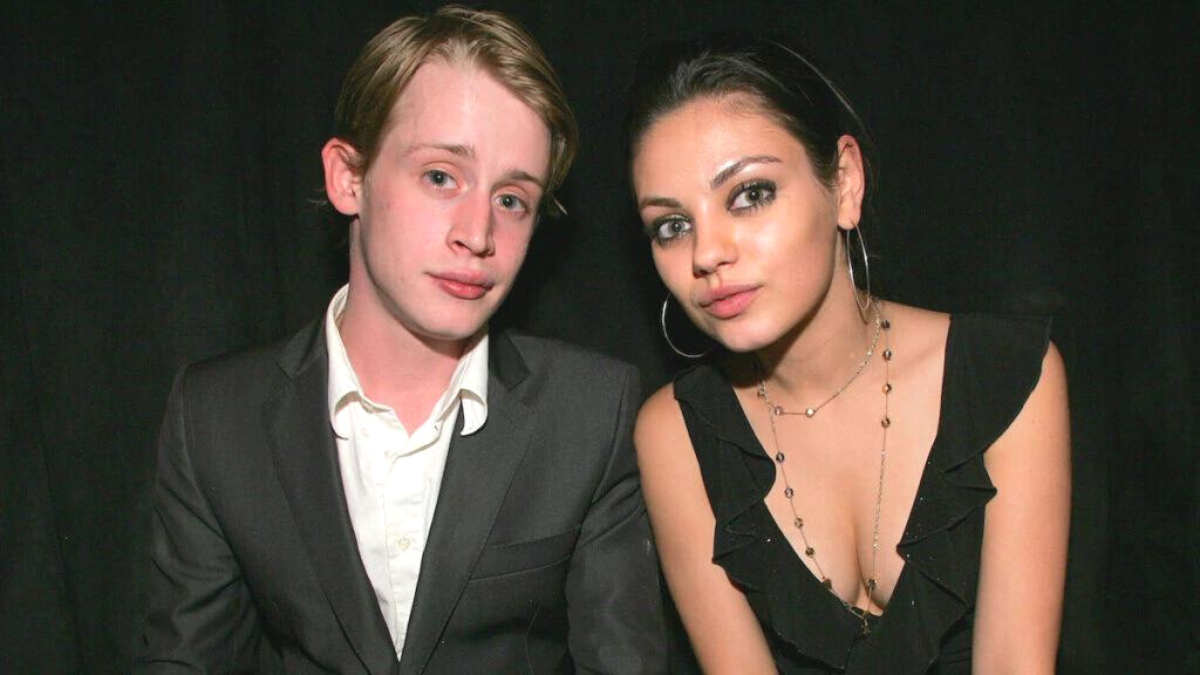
(992, 363)
(901, 579)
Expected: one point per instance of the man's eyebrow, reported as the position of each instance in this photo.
(518, 175)
(731, 170)
(468, 152)
(665, 202)
(464, 151)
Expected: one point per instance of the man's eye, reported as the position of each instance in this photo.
(752, 195)
(440, 179)
(668, 229)
(511, 202)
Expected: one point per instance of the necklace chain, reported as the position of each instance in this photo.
(882, 325)
(811, 411)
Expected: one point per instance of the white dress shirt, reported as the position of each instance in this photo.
(392, 478)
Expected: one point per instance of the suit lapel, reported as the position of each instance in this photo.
(479, 469)
(305, 457)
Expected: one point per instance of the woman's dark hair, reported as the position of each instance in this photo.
(778, 79)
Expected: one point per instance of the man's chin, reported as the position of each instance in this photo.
(446, 326)
(453, 332)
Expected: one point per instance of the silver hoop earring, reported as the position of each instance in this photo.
(862, 245)
(662, 320)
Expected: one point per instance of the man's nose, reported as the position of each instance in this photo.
(472, 227)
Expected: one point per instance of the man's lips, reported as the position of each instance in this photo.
(463, 284)
(726, 302)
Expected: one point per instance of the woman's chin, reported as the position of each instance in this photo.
(741, 342)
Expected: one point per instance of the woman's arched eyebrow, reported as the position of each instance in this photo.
(665, 202)
(735, 168)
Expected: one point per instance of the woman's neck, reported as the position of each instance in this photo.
(821, 352)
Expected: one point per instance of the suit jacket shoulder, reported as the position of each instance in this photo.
(565, 364)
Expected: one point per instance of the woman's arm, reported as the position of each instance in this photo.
(723, 629)
(1025, 534)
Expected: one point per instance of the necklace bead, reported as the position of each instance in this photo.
(811, 411)
(869, 584)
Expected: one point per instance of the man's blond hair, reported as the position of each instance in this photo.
(489, 40)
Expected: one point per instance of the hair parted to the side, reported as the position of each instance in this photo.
(489, 40)
(774, 78)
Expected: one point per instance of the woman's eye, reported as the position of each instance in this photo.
(752, 195)
(669, 228)
(511, 202)
(440, 179)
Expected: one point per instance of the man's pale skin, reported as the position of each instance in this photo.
(442, 222)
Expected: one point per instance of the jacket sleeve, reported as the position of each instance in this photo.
(615, 604)
(200, 614)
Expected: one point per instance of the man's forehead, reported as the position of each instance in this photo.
(463, 110)
(440, 86)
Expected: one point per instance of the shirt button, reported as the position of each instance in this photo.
(366, 432)
(403, 543)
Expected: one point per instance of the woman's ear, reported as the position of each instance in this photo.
(343, 184)
(851, 183)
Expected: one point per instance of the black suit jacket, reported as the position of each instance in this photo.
(539, 558)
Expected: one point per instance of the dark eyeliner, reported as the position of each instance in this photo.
(655, 227)
(652, 228)
(766, 186)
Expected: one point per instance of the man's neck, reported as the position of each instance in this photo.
(394, 367)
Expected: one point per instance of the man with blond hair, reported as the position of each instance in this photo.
(395, 489)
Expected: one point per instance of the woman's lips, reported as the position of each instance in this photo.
(728, 302)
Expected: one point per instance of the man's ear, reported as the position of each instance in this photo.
(852, 183)
(343, 184)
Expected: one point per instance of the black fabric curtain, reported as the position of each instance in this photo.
(160, 202)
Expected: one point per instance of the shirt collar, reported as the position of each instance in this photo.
(469, 383)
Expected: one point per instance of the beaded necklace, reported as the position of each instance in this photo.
(883, 326)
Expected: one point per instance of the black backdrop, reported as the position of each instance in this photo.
(157, 185)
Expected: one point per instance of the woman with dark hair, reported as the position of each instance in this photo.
(843, 484)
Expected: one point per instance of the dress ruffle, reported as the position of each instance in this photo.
(992, 364)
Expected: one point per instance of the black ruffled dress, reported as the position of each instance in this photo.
(992, 364)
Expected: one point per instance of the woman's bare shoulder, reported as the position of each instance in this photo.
(918, 318)
(920, 333)
(660, 427)
(661, 404)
